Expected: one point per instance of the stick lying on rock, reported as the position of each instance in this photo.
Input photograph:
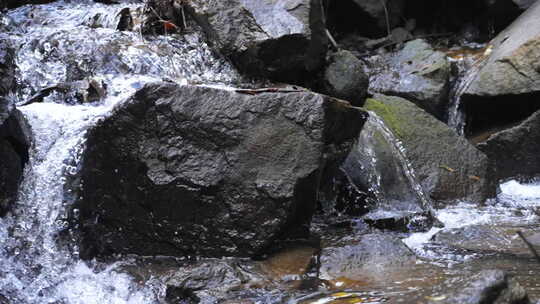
(268, 90)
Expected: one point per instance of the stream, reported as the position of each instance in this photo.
(77, 41)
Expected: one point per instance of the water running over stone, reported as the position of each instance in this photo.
(466, 63)
(63, 43)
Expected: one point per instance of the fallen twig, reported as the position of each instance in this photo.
(332, 40)
(266, 90)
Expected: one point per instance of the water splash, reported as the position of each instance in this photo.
(513, 206)
(60, 43)
(374, 128)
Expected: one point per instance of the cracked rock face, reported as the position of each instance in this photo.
(282, 40)
(183, 170)
(513, 67)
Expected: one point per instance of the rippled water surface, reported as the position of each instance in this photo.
(66, 42)
(69, 42)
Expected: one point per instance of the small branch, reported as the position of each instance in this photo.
(383, 2)
(332, 40)
(531, 247)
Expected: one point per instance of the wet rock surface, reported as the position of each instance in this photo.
(7, 67)
(376, 166)
(344, 78)
(363, 257)
(446, 165)
(418, 73)
(14, 145)
(514, 151)
(282, 40)
(489, 239)
(512, 66)
(195, 170)
(488, 286)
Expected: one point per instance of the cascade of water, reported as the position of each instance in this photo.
(58, 44)
(373, 129)
(466, 68)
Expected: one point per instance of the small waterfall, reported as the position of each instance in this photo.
(385, 169)
(58, 45)
(466, 66)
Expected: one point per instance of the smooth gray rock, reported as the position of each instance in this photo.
(488, 287)
(514, 151)
(447, 166)
(418, 73)
(194, 170)
(282, 40)
(513, 66)
(344, 78)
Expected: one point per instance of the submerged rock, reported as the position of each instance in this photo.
(418, 73)
(514, 152)
(14, 144)
(209, 281)
(194, 170)
(372, 255)
(283, 40)
(488, 287)
(489, 239)
(447, 166)
(512, 66)
(344, 78)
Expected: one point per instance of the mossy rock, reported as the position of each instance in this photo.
(447, 166)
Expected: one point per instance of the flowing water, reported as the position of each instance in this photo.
(73, 41)
(67, 42)
(466, 64)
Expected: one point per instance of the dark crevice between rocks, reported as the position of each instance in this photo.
(175, 295)
(346, 17)
(474, 20)
(489, 115)
(455, 16)
(296, 231)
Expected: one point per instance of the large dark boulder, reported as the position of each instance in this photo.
(283, 40)
(194, 170)
(7, 67)
(514, 151)
(14, 144)
(447, 166)
(418, 73)
(487, 287)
